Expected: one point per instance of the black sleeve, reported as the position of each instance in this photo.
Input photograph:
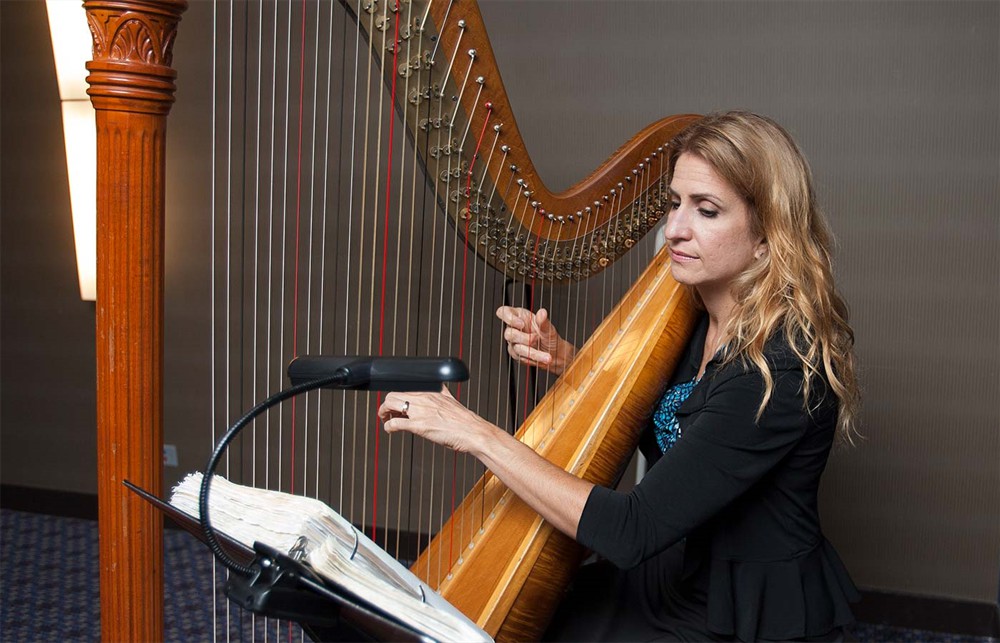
(720, 455)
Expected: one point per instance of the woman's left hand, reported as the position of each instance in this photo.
(437, 417)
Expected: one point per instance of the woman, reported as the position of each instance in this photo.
(721, 539)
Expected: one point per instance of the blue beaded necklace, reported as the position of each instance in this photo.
(665, 426)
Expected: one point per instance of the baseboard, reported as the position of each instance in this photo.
(68, 504)
(930, 613)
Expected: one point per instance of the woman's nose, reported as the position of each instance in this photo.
(677, 226)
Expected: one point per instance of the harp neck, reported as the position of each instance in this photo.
(441, 53)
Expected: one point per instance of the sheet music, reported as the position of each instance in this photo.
(333, 548)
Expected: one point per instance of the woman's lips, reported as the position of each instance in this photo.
(676, 255)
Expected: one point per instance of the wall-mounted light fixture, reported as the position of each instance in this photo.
(72, 46)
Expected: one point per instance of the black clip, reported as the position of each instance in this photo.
(276, 590)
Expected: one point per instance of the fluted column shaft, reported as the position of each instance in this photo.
(132, 89)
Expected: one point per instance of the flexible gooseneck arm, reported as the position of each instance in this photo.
(203, 507)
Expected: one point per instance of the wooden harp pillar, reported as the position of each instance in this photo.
(132, 89)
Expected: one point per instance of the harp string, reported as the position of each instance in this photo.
(256, 258)
(270, 232)
(461, 327)
(385, 255)
(406, 308)
(438, 453)
(298, 234)
(436, 501)
(297, 265)
(323, 234)
(361, 214)
(311, 211)
(398, 495)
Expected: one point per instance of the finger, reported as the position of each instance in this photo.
(395, 405)
(511, 316)
(385, 410)
(396, 423)
(385, 414)
(518, 352)
(532, 356)
(537, 356)
(542, 323)
(514, 336)
(507, 315)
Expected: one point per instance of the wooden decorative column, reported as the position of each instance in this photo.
(132, 89)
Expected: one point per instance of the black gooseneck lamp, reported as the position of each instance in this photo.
(309, 373)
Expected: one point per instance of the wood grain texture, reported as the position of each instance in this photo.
(131, 86)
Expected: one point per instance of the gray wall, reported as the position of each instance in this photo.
(895, 103)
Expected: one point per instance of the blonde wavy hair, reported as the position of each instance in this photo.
(791, 285)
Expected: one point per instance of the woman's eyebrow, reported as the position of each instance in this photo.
(695, 197)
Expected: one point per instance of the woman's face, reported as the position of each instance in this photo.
(708, 228)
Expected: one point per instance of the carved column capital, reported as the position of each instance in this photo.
(133, 51)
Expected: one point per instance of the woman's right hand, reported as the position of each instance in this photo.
(533, 340)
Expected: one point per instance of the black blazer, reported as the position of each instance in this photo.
(743, 493)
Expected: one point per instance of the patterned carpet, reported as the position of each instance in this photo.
(49, 589)
(49, 585)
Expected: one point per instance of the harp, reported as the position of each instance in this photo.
(434, 82)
